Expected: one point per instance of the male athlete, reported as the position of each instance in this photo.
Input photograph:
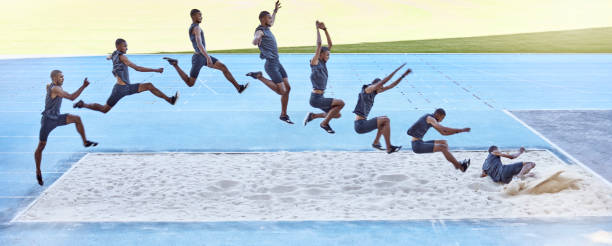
(201, 57)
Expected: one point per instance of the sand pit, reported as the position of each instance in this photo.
(311, 186)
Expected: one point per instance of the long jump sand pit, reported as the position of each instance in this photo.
(288, 186)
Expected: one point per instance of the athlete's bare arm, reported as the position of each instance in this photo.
(196, 31)
(57, 91)
(384, 88)
(379, 84)
(277, 6)
(126, 61)
(499, 153)
(443, 129)
(315, 58)
(258, 36)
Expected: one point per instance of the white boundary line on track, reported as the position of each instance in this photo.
(20, 213)
(557, 147)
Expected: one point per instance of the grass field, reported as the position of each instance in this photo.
(592, 40)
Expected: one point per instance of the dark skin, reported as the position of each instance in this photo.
(58, 91)
(383, 122)
(337, 104)
(147, 86)
(190, 81)
(283, 89)
(442, 145)
(527, 166)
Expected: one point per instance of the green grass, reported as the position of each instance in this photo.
(592, 40)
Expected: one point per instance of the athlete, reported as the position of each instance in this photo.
(364, 105)
(498, 172)
(123, 87)
(51, 117)
(265, 40)
(422, 125)
(201, 57)
(318, 64)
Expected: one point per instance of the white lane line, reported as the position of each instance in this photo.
(572, 158)
(45, 191)
(209, 88)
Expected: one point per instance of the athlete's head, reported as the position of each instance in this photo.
(439, 114)
(492, 148)
(265, 18)
(57, 77)
(196, 16)
(324, 55)
(121, 45)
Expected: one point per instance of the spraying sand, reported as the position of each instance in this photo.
(312, 186)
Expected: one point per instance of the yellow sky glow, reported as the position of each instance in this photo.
(91, 26)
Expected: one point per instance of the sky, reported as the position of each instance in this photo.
(91, 26)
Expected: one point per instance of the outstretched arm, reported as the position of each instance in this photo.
(443, 129)
(376, 86)
(277, 6)
(499, 153)
(384, 88)
(315, 58)
(58, 91)
(126, 61)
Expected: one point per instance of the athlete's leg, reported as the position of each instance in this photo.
(150, 87)
(94, 106)
(383, 123)
(286, 89)
(79, 126)
(442, 146)
(37, 159)
(334, 112)
(228, 75)
(527, 166)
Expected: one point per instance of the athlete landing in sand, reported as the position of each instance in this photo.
(201, 58)
(421, 126)
(123, 87)
(265, 40)
(51, 117)
(498, 172)
(318, 77)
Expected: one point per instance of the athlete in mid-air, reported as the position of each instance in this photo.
(421, 126)
(265, 40)
(201, 57)
(51, 117)
(123, 87)
(364, 105)
(318, 64)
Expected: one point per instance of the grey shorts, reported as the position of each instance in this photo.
(275, 70)
(421, 147)
(320, 102)
(119, 91)
(365, 126)
(509, 171)
(197, 62)
(47, 125)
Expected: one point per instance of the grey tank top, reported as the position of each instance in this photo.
(119, 68)
(52, 105)
(364, 102)
(267, 47)
(193, 38)
(420, 127)
(318, 77)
